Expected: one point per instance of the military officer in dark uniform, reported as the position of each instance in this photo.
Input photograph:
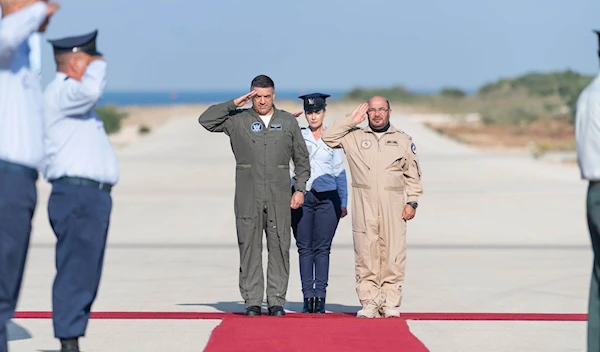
(264, 140)
(314, 224)
(82, 166)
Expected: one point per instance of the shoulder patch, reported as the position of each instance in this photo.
(413, 147)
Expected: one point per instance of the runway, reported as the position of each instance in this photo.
(495, 233)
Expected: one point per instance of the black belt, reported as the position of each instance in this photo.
(25, 170)
(323, 192)
(84, 182)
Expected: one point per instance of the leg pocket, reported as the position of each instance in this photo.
(244, 200)
(359, 223)
(245, 228)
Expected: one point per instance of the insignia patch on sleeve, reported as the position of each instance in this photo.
(413, 147)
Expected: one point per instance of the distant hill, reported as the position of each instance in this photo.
(539, 84)
(520, 99)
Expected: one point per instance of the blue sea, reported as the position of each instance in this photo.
(186, 97)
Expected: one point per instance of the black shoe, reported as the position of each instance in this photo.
(69, 345)
(309, 305)
(253, 311)
(320, 305)
(276, 311)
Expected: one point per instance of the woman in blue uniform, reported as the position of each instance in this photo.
(314, 224)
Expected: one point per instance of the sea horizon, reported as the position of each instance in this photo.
(173, 97)
(176, 97)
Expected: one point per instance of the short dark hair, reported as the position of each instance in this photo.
(262, 81)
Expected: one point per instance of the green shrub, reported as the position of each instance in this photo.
(111, 116)
(143, 129)
(570, 94)
(453, 93)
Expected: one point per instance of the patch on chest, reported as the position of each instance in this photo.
(391, 143)
(256, 127)
(366, 144)
(275, 127)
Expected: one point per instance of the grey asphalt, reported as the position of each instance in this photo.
(495, 232)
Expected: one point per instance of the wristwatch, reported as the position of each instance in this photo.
(413, 204)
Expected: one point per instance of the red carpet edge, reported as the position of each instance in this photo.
(406, 316)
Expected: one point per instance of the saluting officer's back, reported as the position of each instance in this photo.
(75, 135)
(76, 142)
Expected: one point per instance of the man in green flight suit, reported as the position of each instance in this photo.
(263, 140)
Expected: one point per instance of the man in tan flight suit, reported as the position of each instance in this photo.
(384, 166)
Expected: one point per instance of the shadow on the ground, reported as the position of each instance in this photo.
(238, 307)
(16, 332)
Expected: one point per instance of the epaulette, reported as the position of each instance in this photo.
(404, 133)
(287, 113)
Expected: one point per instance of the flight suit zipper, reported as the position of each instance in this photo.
(265, 160)
(378, 216)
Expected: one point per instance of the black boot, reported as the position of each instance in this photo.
(309, 305)
(253, 311)
(69, 345)
(276, 311)
(320, 305)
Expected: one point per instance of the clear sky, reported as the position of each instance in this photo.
(330, 44)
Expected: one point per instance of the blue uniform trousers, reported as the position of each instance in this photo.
(314, 225)
(79, 216)
(593, 220)
(18, 198)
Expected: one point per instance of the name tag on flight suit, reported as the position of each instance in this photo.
(391, 143)
(275, 127)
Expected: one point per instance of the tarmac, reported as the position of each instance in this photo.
(494, 233)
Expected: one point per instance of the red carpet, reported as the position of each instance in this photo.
(331, 332)
(315, 334)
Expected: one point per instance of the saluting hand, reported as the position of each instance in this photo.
(297, 200)
(241, 101)
(296, 114)
(408, 213)
(360, 113)
(52, 8)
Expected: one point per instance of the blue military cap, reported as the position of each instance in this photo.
(85, 43)
(314, 102)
